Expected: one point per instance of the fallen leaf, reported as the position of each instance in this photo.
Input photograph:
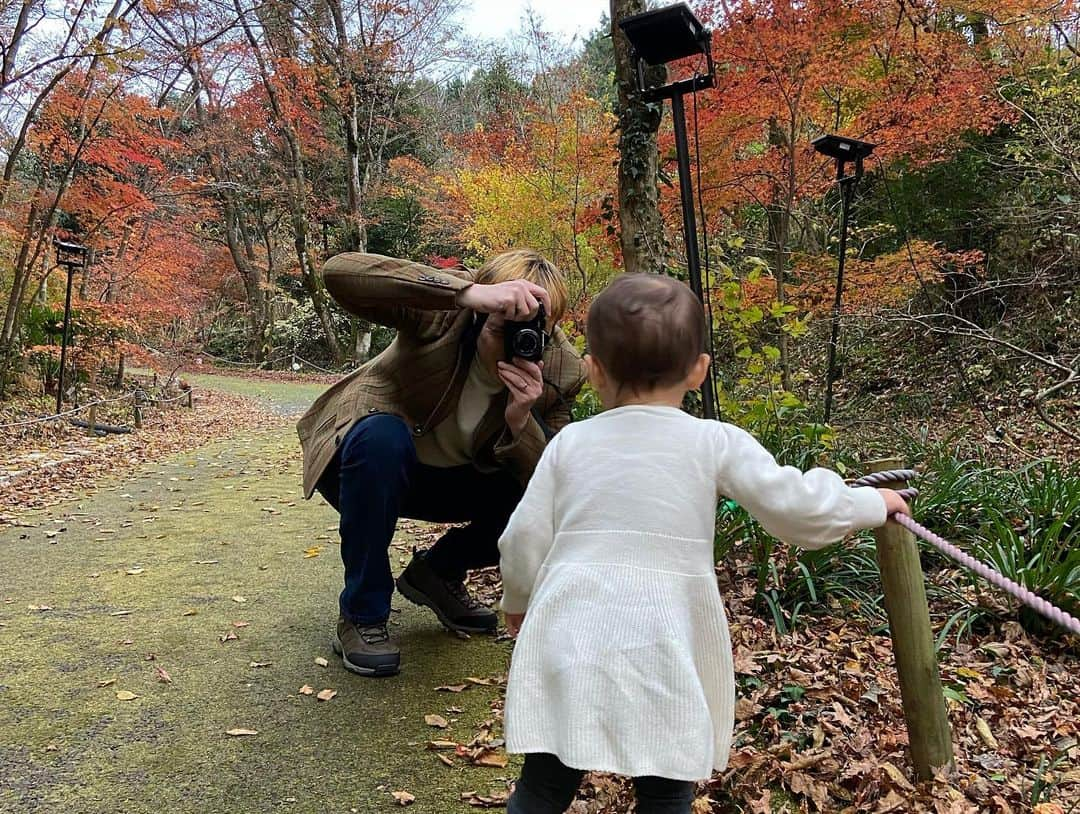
(228, 637)
(240, 624)
(983, 728)
(206, 562)
(326, 695)
(493, 760)
(452, 688)
(162, 675)
(892, 802)
(134, 572)
(312, 552)
(307, 689)
(238, 733)
(443, 744)
(189, 612)
(444, 759)
(257, 664)
(436, 721)
(239, 599)
(319, 660)
(121, 613)
(108, 682)
(39, 607)
(403, 798)
(897, 776)
(125, 695)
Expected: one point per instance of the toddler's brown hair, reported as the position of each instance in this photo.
(646, 330)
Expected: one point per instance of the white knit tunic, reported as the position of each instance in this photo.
(624, 661)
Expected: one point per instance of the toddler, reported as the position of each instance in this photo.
(623, 661)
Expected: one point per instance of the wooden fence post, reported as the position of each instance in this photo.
(91, 422)
(191, 399)
(929, 734)
(138, 416)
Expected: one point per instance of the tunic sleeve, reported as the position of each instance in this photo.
(811, 509)
(529, 534)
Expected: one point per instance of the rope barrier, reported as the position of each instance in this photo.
(47, 418)
(313, 365)
(994, 577)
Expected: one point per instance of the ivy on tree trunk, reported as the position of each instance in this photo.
(641, 228)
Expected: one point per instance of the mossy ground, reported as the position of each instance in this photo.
(69, 745)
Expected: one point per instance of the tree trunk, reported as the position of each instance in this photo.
(779, 220)
(296, 186)
(641, 229)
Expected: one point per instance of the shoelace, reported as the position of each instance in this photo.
(375, 634)
(463, 596)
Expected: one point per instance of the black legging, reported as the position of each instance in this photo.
(548, 787)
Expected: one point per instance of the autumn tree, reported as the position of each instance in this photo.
(640, 225)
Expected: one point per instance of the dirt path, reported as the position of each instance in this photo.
(209, 567)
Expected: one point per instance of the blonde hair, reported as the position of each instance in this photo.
(526, 264)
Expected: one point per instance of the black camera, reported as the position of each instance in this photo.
(526, 339)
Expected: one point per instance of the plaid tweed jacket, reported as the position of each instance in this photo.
(420, 376)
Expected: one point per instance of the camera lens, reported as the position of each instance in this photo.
(527, 344)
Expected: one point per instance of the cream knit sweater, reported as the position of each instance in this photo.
(624, 662)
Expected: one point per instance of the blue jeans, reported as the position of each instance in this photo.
(374, 479)
(547, 786)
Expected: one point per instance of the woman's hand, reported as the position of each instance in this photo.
(513, 623)
(894, 504)
(525, 381)
(515, 300)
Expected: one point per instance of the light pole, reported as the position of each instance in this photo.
(656, 38)
(842, 150)
(71, 256)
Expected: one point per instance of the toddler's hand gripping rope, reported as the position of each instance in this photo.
(1051, 612)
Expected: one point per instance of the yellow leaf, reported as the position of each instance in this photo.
(492, 760)
(967, 672)
(239, 733)
(125, 695)
(983, 728)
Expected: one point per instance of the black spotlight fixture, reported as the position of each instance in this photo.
(843, 151)
(656, 38)
(71, 256)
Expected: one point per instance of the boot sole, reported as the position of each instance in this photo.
(418, 597)
(382, 671)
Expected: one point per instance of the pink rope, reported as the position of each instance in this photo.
(1051, 612)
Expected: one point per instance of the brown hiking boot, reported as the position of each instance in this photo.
(456, 608)
(366, 649)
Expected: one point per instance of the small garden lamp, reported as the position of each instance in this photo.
(658, 37)
(71, 256)
(843, 150)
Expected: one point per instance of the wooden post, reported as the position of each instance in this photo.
(929, 734)
(191, 399)
(138, 416)
(155, 378)
(91, 422)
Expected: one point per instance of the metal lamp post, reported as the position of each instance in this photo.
(656, 38)
(71, 256)
(842, 150)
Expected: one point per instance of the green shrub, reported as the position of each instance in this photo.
(1034, 539)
